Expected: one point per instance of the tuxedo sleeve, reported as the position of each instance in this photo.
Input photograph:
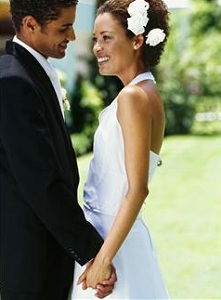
(31, 153)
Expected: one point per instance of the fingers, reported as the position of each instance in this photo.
(101, 295)
(107, 286)
(84, 285)
(111, 281)
(82, 278)
(103, 291)
(104, 288)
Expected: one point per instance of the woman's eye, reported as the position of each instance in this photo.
(103, 39)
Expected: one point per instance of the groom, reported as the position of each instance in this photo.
(43, 229)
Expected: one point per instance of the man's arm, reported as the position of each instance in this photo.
(32, 156)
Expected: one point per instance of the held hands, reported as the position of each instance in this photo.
(99, 275)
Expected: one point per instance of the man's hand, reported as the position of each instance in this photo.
(107, 286)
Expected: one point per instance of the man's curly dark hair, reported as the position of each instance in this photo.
(42, 10)
(158, 15)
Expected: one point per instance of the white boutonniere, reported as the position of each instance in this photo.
(65, 102)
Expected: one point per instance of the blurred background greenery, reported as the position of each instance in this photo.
(188, 77)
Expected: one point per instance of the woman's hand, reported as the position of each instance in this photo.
(100, 275)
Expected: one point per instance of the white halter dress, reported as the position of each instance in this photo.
(136, 263)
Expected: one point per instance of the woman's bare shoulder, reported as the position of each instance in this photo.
(133, 97)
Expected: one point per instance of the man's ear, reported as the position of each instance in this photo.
(138, 41)
(29, 24)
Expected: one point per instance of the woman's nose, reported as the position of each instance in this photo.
(97, 47)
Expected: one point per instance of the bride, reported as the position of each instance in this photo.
(129, 38)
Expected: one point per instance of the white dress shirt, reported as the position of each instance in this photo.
(49, 69)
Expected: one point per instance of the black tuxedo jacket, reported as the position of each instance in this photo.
(43, 229)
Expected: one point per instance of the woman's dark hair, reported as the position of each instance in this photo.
(42, 10)
(158, 18)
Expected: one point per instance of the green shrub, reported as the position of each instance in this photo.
(190, 67)
(81, 143)
(208, 117)
(85, 109)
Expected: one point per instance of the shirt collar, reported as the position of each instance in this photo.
(40, 58)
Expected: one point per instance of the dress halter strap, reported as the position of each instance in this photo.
(141, 77)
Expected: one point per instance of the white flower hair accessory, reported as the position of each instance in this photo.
(138, 11)
(138, 16)
(65, 102)
(155, 36)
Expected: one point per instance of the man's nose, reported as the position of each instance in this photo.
(71, 34)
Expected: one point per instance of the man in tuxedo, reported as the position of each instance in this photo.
(43, 229)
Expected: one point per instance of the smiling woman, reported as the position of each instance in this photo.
(110, 45)
(127, 144)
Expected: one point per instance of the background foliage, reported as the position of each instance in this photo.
(188, 78)
(190, 71)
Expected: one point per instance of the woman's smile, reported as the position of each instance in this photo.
(103, 59)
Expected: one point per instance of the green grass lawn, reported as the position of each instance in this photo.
(183, 213)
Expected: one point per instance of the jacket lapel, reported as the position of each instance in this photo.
(41, 79)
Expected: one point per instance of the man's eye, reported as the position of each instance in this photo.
(94, 39)
(106, 38)
(63, 29)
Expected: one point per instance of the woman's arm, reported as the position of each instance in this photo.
(135, 117)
